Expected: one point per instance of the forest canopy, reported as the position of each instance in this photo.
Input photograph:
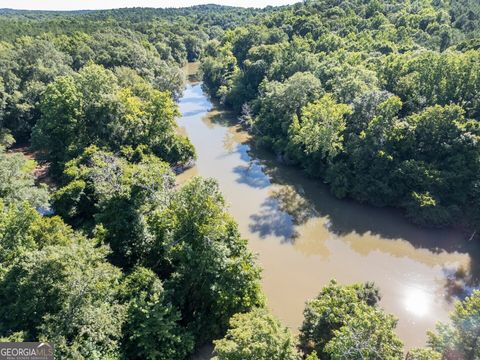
(105, 255)
(379, 99)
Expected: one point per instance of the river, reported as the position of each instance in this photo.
(303, 236)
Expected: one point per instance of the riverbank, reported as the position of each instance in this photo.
(304, 237)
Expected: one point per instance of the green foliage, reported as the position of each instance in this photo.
(368, 333)
(151, 330)
(38, 47)
(430, 78)
(17, 181)
(58, 285)
(319, 132)
(423, 354)
(185, 235)
(279, 103)
(379, 98)
(90, 108)
(118, 197)
(461, 336)
(256, 335)
(64, 294)
(218, 72)
(75, 83)
(23, 229)
(213, 274)
(405, 69)
(447, 142)
(27, 67)
(344, 322)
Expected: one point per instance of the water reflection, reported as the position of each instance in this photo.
(282, 211)
(296, 206)
(460, 282)
(193, 113)
(418, 301)
(304, 236)
(192, 73)
(272, 221)
(294, 200)
(347, 216)
(252, 175)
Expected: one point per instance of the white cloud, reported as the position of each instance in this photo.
(110, 4)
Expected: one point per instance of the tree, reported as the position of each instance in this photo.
(391, 65)
(65, 294)
(343, 321)
(256, 335)
(368, 333)
(423, 354)
(184, 235)
(58, 131)
(461, 337)
(280, 102)
(349, 82)
(23, 229)
(17, 181)
(320, 130)
(123, 47)
(117, 197)
(151, 330)
(371, 152)
(446, 142)
(194, 45)
(89, 108)
(35, 63)
(219, 71)
(149, 120)
(213, 274)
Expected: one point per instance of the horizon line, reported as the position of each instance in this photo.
(145, 7)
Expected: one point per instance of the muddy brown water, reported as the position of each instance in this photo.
(303, 236)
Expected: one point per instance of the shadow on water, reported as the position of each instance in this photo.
(192, 73)
(420, 270)
(221, 117)
(272, 221)
(251, 174)
(291, 199)
(461, 282)
(192, 100)
(294, 199)
(192, 113)
(194, 78)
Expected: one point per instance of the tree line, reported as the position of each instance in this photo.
(379, 99)
(114, 260)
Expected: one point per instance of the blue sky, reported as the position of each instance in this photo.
(110, 4)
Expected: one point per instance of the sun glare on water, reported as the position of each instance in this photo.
(417, 301)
